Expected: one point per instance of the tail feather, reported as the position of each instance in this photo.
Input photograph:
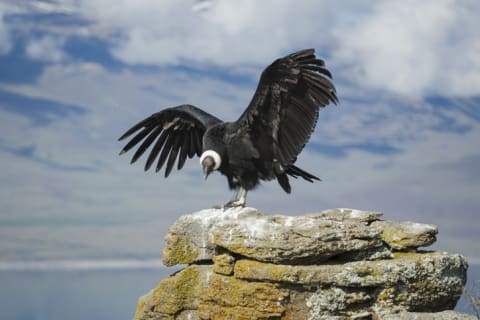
(284, 183)
(295, 172)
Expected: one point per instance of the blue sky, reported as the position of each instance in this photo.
(74, 75)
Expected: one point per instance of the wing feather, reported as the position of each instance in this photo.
(165, 152)
(184, 151)
(136, 139)
(285, 106)
(173, 155)
(198, 144)
(321, 70)
(192, 145)
(177, 133)
(156, 149)
(141, 124)
(146, 143)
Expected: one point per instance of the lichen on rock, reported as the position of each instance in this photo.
(187, 240)
(238, 299)
(174, 294)
(407, 235)
(293, 240)
(223, 264)
(443, 315)
(336, 264)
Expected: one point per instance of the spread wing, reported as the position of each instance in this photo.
(177, 132)
(286, 103)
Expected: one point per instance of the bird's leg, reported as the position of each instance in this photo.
(243, 198)
(235, 195)
(238, 202)
(230, 203)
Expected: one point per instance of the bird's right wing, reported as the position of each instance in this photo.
(177, 132)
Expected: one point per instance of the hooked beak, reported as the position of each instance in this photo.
(207, 164)
(206, 174)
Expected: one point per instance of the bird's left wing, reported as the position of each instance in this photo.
(284, 109)
(177, 132)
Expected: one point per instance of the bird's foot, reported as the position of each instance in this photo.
(235, 204)
(231, 204)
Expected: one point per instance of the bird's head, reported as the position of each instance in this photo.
(210, 161)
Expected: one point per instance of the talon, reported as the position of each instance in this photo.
(235, 204)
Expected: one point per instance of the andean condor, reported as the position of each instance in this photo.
(263, 144)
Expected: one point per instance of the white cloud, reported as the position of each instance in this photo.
(407, 48)
(5, 39)
(225, 33)
(414, 48)
(46, 48)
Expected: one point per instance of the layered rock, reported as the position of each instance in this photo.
(337, 264)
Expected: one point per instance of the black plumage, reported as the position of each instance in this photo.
(263, 144)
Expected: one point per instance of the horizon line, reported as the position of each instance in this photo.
(80, 264)
(102, 264)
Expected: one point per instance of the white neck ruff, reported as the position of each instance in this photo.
(216, 158)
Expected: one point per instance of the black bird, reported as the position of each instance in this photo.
(263, 144)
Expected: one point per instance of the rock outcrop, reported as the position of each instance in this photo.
(337, 264)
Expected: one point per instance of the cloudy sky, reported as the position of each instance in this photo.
(74, 75)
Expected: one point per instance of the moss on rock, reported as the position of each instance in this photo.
(178, 250)
(407, 235)
(223, 264)
(231, 298)
(333, 265)
(173, 294)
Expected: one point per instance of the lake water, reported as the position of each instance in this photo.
(74, 294)
(98, 293)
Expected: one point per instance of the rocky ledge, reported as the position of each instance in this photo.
(336, 264)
